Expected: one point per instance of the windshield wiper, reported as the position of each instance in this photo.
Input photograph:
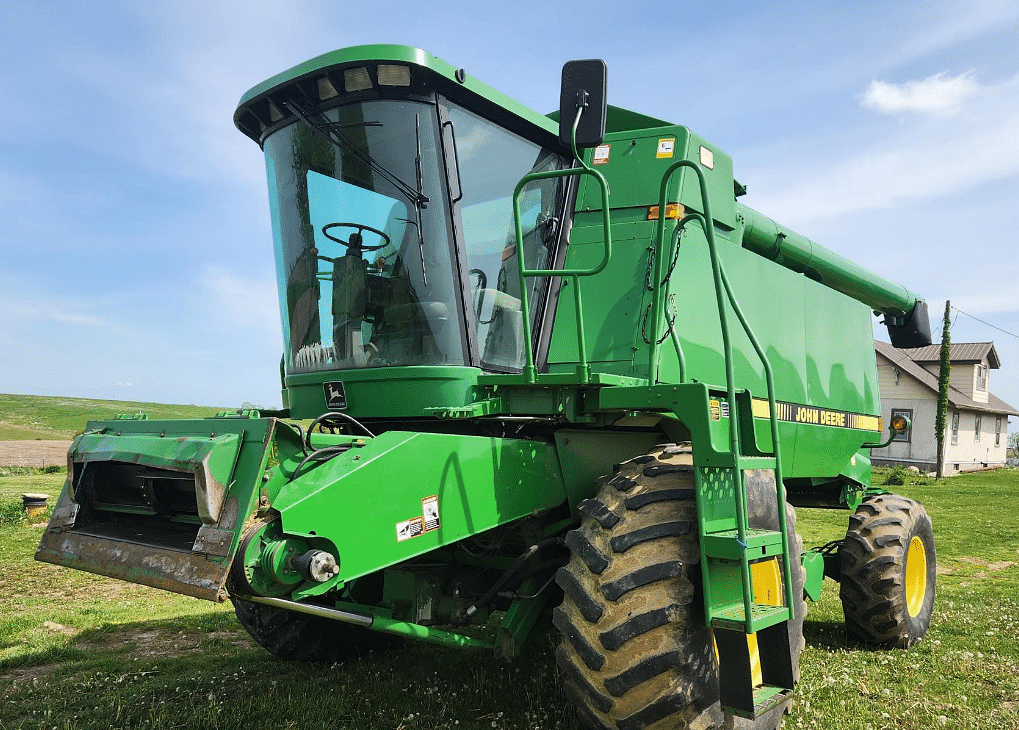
(331, 131)
(417, 208)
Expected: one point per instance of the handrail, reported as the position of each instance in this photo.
(723, 292)
(583, 369)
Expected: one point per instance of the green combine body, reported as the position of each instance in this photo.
(530, 362)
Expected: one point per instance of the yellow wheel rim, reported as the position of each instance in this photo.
(916, 575)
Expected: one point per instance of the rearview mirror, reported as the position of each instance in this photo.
(583, 87)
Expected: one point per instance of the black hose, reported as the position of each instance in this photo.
(510, 572)
(325, 454)
(332, 415)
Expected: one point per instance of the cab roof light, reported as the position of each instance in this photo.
(326, 90)
(390, 75)
(356, 79)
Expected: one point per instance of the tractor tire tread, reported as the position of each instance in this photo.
(873, 559)
(642, 614)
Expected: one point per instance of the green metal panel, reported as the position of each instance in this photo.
(718, 178)
(637, 159)
(799, 253)
(611, 322)
(813, 564)
(404, 392)
(360, 499)
(472, 92)
(815, 361)
(633, 166)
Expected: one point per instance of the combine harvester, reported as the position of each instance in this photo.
(529, 361)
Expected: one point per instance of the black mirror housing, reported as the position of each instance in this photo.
(584, 84)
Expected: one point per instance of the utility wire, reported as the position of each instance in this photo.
(983, 322)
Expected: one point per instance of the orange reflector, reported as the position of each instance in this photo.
(672, 210)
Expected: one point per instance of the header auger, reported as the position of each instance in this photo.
(550, 363)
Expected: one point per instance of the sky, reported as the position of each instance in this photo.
(135, 246)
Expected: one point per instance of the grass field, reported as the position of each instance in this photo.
(81, 651)
(47, 417)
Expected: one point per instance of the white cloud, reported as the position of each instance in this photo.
(938, 94)
(920, 156)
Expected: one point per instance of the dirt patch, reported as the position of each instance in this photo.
(999, 565)
(30, 675)
(34, 453)
(161, 643)
(56, 628)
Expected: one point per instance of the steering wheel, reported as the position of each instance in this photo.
(360, 227)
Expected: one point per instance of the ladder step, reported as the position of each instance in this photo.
(756, 462)
(766, 697)
(732, 618)
(725, 545)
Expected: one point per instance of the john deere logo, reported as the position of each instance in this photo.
(336, 399)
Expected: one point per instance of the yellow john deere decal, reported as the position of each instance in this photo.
(796, 413)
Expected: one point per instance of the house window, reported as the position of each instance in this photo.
(955, 429)
(981, 377)
(976, 428)
(997, 431)
(908, 413)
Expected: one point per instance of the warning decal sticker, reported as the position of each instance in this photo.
(601, 154)
(430, 510)
(409, 528)
(666, 147)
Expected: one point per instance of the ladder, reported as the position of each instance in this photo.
(750, 622)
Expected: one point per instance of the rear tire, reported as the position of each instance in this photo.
(301, 637)
(889, 570)
(636, 653)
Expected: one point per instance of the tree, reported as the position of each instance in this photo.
(1013, 443)
(944, 377)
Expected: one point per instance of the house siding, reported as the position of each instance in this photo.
(921, 450)
(970, 454)
(907, 387)
(906, 394)
(964, 379)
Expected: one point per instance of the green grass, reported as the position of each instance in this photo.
(140, 658)
(26, 417)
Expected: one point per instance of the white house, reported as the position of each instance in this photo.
(977, 430)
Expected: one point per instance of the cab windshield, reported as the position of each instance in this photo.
(363, 233)
(362, 239)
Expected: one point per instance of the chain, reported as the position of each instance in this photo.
(677, 240)
(672, 321)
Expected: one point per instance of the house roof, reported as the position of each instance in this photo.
(962, 352)
(903, 360)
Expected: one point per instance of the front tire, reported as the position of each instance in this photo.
(636, 653)
(889, 570)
